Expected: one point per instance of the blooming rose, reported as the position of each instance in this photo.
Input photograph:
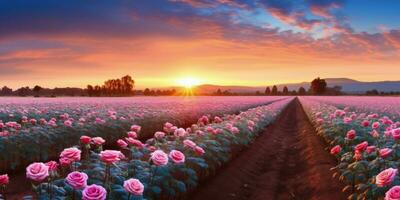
(98, 140)
(37, 171)
(132, 134)
(370, 149)
(64, 162)
(234, 130)
(4, 180)
(159, 158)
(365, 123)
(199, 151)
(134, 142)
(384, 153)
(180, 132)
(85, 139)
(347, 120)
(77, 180)
(71, 154)
(362, 146)
(351, 134)
(53, 165)
(357, 155)
(396, 133)
(393, 193)
(111, 156)
(375, 125)
(189, 143)
(159, 135)
(335, 150)
(136, 128)
(94, 192)
(122, 143)
(386, 177)
(134, 186)
(177, 157)
(320, 121)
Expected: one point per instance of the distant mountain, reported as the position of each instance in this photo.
(348, 85)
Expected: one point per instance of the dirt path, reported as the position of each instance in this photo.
(288, 161)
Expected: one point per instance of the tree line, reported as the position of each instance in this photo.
(125, 86)
(114, 87)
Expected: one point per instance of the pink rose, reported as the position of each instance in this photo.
(357, 155)
(122, 144)
(37, 171)
(4, 180)
(393, 193)
(136, 128)
(362, 146)
(199, 151)
(351, 134)
(320, 121)
(335, 150)
(111, 156)
(370, 149)
(189, 143)
(374, 134)
(98, 140)
(159, 158)
(180, 132)
(134, 142)
(132, 134)
(365, 123)
(386, 177)
(68, 123)
(347, 120)
(134, 186)
(396, 133)
(85, 139)
(159, 135)
(177, 157)
(384, 153)
(53, 165)
(234, 130)
(72, 154)
(375, 125)
(94, 192)
(77, 180)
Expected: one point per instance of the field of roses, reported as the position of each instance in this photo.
(35, 129)
(364, 135)
(167, 166)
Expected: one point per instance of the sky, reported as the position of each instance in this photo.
(58, 43)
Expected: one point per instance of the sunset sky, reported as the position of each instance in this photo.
(57, 43)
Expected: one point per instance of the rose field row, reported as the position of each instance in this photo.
(33, 130)
(168, 165)
(364, 135)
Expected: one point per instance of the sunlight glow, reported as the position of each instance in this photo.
(188, 82)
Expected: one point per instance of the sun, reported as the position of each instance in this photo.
(188, 82)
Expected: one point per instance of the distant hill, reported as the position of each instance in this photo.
(348, 85)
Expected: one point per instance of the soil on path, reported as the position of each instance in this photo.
(288, 161)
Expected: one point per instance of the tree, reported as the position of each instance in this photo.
(146, 92)
(318, 86)
(37, 89)
(302, 91)
(285, 91)
(267, 91)
(90, 90)
(274, 90)
(6, 91)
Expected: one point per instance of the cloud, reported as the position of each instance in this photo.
(110, 37)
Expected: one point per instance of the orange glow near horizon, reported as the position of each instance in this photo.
(211, 42)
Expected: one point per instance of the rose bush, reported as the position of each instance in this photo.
(164, 167)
